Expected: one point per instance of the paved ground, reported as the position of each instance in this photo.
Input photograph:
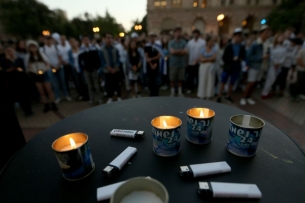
(279, 111)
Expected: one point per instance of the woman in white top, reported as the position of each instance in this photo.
(277, 57)
(206, 75)
(37, 68)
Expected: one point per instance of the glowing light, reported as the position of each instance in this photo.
(201, 114)
(220, 17)
(244, 23)
(72, 143)
(40, 72)
(96, 29)
(263, 21)
(54, 70)
(45, 33)
(121, 34)
(195, 4)
(164, 124)
(138, 27)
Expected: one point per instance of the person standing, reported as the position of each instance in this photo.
(17, 80)
(89, 62)
(64, 47)
(164, 63)
(300, 84)
(177, 61)
(78, 73)
(232, 57)
(38, 67)
(206, 75)
(134, 64)
(111, 66)
(291, 52)
(57, 74)
(277, 57)
(194, 47)
(255, 56)
(152, 55)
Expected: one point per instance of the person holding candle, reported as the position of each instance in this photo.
(16, 79)
(37, 67)
(232, 57)
(134, 63)
(206, 75)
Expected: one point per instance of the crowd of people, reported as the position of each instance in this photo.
(47, 70)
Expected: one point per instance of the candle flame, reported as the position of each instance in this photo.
(164, 124)
(40, 72)
(54, 70)
(201, 114)
(72, 143)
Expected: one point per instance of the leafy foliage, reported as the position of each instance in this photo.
(288, 13)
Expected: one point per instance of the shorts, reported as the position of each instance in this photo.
(253, 75)
(40, 78)
(176, 74)
(138, 81)
(226, 75)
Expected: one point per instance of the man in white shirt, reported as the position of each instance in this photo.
(56, 72)
(194, 47)
(63, 49)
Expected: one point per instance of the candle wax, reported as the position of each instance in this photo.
(66, 148)
(168, 127)
(141, 197)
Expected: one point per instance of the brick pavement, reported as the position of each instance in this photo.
(285, 115)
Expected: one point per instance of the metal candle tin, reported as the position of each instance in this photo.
(199, 128)
(166, 140)
(75, 163)
(244, 134)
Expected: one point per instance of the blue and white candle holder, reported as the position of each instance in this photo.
(166, 135)
(244, 134)
(200, 125)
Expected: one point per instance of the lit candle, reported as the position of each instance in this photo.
(72, 145)
(166, 135)
(54, 70)
(141, 196)
(40, 72)
(199, 125)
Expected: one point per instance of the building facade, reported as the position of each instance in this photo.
(209, 16)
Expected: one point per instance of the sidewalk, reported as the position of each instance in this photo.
(280, 112)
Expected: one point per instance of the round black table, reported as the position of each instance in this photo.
(34, 175)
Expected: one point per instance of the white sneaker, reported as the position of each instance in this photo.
(57, 101)
(189, 92)
(251, 101)
(109, 101)
(119, 99)
(243, 101)
(164, 87)
(181, 95)
(68, 98)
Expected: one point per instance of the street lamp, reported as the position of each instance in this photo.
(45, 32)
(96, 29)
(220, 17)
(138, 27)
(122, 34)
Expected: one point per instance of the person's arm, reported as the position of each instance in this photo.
(300, 61)
(227, 56)
(208, 59)
(71, 59)
(81, 62)
(172, 50)
(117, 62)
(45, 59)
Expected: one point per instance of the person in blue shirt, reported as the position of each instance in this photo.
(111, 67)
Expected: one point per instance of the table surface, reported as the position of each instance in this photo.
(34, 175)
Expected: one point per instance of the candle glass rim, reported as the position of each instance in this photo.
(169, 128)
(66, 135)
(198, 117)
(251, 127)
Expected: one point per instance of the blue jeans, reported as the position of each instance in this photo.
(57, 81)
